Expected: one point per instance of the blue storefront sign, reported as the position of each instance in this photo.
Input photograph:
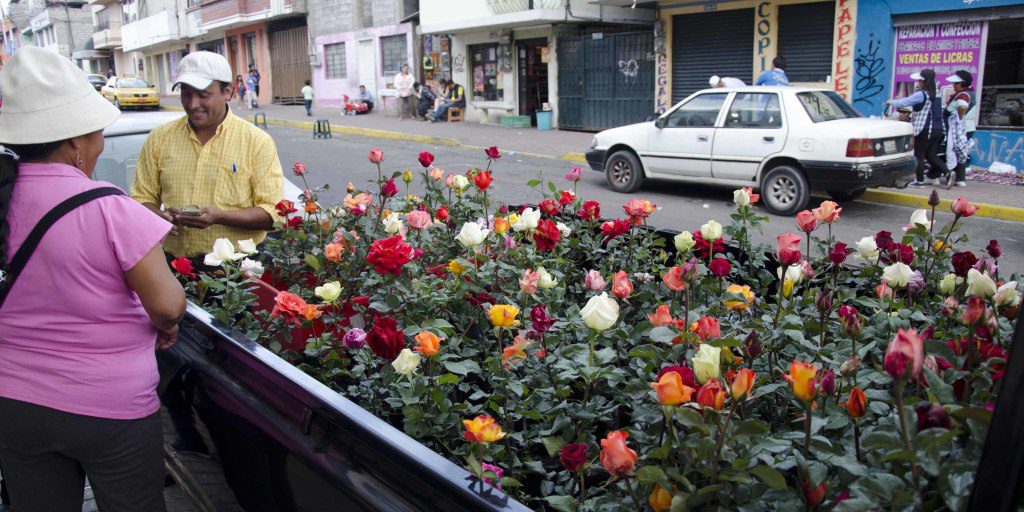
(876, 70)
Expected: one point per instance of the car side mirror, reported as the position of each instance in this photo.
(660, 122)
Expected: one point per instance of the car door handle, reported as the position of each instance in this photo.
(702, 138)
(769, 139)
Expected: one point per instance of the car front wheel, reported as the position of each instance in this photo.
(785, 190)
(117, 103)
(624, 172)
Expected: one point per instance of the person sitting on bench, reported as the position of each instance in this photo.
(425, 99)
(456, 98)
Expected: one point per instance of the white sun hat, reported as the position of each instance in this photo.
(200, 69)
(916, 76)
(713, 81)
(954, 79)
(46, 98)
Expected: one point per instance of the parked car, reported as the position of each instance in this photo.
(130, 91)
(123, 141)
(785, 141)
(97, 81)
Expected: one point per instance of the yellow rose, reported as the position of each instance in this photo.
(503, 315)
(455, 267)
(707, 363)
(740, 297)
(329, 292)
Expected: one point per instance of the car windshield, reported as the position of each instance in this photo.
(132, 83)
(824, 106)
(97, 79)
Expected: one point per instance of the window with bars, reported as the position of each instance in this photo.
(393, 51)
(334, 60)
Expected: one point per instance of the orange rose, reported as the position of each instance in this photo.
(621, 287)
(333, 252)
(661, 316)
(311, 311)
(857, 403)
(660, 499)
(828, 212)
(516, 352)
(311, 207)
(501, 226)
(743, 383)
(674, 279)
(671, 390)
(482, 429)
(617, 458)
(427, 343)
(711, 395)
(803, 377)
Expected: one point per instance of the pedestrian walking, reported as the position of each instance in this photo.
(251, 91)
(725, 81)
(929, 130)
(776, 75)
(962, 112)
(240, 90)
(77, 383)
(406, 94)
(256, 89)
(212, 159)
(307, 98)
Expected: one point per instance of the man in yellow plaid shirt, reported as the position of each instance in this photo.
(215, 175)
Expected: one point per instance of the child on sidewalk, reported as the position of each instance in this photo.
(307, 98)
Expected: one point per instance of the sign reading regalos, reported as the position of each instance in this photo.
(945, 47)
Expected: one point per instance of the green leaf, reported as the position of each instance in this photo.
(726, 342)
(313, 262)
(662, 334)
(562, 503)
(474, 465)
(533, 183)
(770, 476)
(652, 475)
(462, 367)
(507, 481)
(943, 392)
(448, 378)
(553, 445)
(974, 413)
(752, 427)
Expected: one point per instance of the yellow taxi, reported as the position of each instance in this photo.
(130, 91)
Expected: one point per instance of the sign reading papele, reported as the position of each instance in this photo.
(945, 47)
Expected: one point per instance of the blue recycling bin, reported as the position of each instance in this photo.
(543, 119)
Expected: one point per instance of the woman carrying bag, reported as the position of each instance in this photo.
(86, 300)
(929, 129)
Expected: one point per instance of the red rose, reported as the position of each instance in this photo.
(993, 249)
(574, 456)
(701, 246)
(385, 339)
(838, 254)
(566, 197)
(685, 373)
(295, 222)
(299, 168)
(591, 211)
(389, 255)
(389, 189)
(376, 156)
(883, 239)
(540, 321)
(426, 159)
(546, 235)
(184, 266)
(284, 207)
(492, 153)
(720, 267)
(613, 228)
(290, 306)
(549, 206)
(963, 262)
(442, 213)
(483, 179)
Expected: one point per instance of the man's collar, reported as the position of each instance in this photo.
(229, 116)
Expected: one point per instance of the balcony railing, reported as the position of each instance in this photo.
(100, 26)
(508, 6)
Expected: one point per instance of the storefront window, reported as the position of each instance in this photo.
(393, 53)
(1003, 90)
(484, 62)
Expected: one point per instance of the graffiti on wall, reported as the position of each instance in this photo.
(995, 146)
(459, 64)
(661, 98)
(842, 58)
(629, 69)
(764, 39)
(869, 72)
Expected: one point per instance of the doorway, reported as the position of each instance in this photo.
(233, 56)
(532, 56)
(368, 66)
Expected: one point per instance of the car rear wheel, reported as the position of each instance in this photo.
(785, 190)
(846, 195)
(624, 172)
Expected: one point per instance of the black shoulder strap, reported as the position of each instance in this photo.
(36, 235)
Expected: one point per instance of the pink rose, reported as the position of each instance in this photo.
(418, 219)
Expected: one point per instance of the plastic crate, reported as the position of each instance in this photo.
(515, 121)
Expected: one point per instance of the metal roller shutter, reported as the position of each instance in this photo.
(805, 39)
(711, 43)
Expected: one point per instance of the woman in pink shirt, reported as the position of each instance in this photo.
(81, 318)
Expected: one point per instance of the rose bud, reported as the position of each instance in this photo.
(933, 199)
(931, 415)
(828, 383)
(949, 306)
(993, 249)
(856, 404)
(850, 367)
(752, 345)
(574, 456)
(814, 496)
(823, 301)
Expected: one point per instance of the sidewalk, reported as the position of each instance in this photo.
(997, 201)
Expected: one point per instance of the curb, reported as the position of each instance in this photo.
(385, 134)
(992, 211)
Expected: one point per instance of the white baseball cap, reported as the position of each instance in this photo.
(714, 81)
(954, 79)
(200, 69)
(46, 98)
(916, 76)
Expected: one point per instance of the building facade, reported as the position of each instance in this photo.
(591, 65)
(62, 27)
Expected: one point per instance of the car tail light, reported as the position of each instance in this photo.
(859, 148)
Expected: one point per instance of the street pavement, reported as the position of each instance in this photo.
(682, 206)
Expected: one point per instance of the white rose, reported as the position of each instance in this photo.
(471, 234)
(546, 281)
(683, 242)
(392, 223)
(247, 246)
(793, 273)
(461, 182)
(223, 250)
(980, 285)
(1007, 295)
(948, 283)
(251, 268)
(600, 312)
(867, 249)
(329, 292)
(406, 362)
(563, 229)
(741, 197)
(711, 231)
(897, 275)
(527, 220)
(707, 363)
(920, 218)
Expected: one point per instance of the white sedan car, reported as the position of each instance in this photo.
(785, 141)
